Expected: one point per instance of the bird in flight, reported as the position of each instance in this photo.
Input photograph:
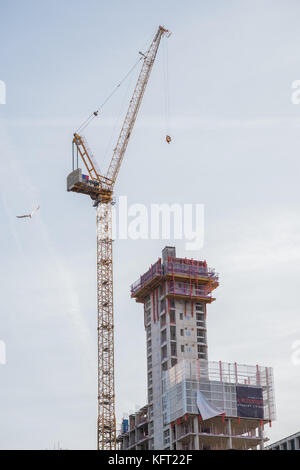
(28, 215)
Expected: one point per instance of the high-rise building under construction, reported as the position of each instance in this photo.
(193, 403)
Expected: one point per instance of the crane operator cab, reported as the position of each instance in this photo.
(168, 139)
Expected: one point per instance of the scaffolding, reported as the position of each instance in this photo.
(221, 384)
(185, 277)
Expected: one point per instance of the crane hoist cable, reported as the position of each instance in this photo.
(96, 113)
(117, 121)
(166, 91)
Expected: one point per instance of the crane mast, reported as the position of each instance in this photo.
(100, 189)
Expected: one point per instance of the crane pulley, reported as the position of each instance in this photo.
(100, 187)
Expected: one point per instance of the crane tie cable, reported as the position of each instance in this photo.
(95, 113)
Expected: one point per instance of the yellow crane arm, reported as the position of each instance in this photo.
(105, 184)
(134, 106)
(87, 157)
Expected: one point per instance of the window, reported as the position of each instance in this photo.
(172, 316)
(173, 348)
(172, 333)
(200, 332)
(181, 316)
(163, 352)
(173, 362)
(202, 353)
(163, 320)
(147, 317)
(181, 332)
(292, 444)
(182, 348)
(200, 316)
(166, 436)
(163, 336)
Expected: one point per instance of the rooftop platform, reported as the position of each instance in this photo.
(172, 269)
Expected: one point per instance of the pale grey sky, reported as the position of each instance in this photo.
(235, 149)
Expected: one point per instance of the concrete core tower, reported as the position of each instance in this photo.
(181, 381)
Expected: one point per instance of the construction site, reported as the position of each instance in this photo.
(193, 403)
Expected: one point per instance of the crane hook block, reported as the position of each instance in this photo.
(96, 113)
(168, 139)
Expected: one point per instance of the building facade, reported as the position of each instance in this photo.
(287, 443)
(192, 403)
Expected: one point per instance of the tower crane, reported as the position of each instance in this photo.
(100, 188)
